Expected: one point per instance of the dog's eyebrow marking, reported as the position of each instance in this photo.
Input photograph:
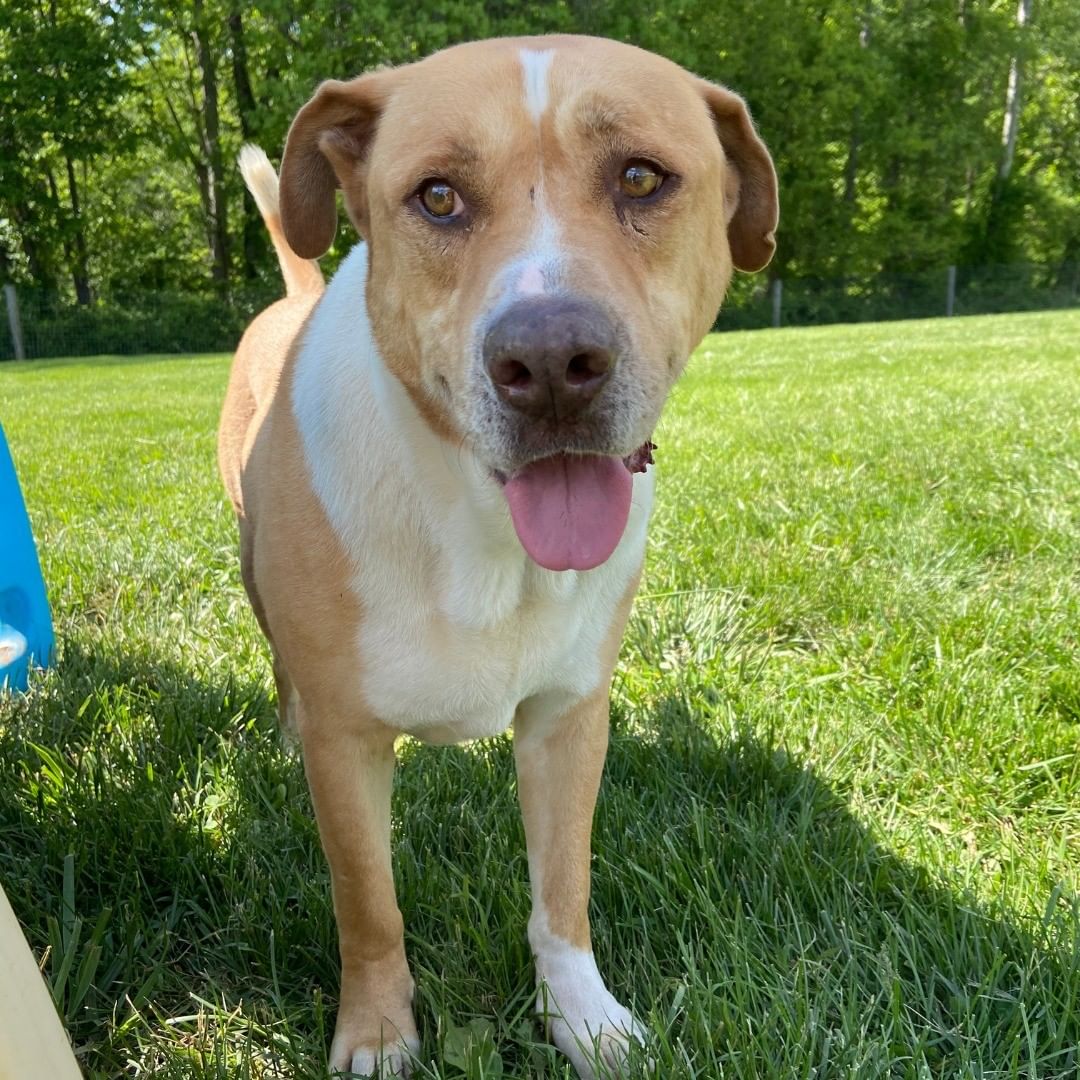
(464, 152)
(535, 64)
(603, 121)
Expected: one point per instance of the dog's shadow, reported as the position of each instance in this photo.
(822, 949)
(737, 899)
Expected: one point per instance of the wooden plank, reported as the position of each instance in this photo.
(32, 1040)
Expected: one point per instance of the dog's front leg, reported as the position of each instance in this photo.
(350, 775)
(560, 757)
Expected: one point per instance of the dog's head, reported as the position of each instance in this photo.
(551, 225)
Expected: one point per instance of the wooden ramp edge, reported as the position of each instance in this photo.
(33, 1043)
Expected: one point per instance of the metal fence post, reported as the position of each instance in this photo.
(777, 295)
(950, 292)
(13, 321)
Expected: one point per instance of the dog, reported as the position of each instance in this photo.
(439, 462)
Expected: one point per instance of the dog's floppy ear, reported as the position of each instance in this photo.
(327, 141)
(750, 195)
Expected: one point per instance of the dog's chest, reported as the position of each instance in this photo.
(449, 655)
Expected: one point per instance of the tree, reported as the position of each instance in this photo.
(908, 134)
(61, 81)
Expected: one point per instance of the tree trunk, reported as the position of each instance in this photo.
(1011, 122)
(1068, 271)
(38, 260)
(217, 210)
(254, 233)
(1005, 201)
(65, 241)
(851, 166)
(79, 274)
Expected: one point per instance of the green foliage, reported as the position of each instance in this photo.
(62, 82)
(885, 118)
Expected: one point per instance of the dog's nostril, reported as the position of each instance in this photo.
(512, 374)
(584, 367)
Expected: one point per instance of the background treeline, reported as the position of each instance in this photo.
(908, 134)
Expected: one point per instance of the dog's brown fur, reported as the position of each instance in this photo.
(462, 115)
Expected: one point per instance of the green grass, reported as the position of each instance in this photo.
(839, 834)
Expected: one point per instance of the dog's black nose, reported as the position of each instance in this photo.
(550, 357)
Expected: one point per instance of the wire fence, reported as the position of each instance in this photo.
(52, 325)
(950, 290)
(41, 324)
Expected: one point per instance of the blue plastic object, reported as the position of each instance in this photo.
(26, 634)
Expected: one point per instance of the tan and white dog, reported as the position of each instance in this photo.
(439, 462)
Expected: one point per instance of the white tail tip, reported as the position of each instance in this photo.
(261, 179)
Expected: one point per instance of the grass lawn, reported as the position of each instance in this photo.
(839, 834)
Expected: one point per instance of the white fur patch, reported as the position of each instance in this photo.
(536, 67)
(537, 269)
(586, 1022)
(261, 179)
(531, 282)
(459, 626)
(387, 1064)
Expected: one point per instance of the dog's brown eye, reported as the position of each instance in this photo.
(640, 179)
(440, 199)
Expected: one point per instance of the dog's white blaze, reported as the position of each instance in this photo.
(458, 624)
(538, 268)
(534, 272)
(531, 282)
(536, 68)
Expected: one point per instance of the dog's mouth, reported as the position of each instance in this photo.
(570, 510)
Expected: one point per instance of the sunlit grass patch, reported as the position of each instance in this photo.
(839, 833)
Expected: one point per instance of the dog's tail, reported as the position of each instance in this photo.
(301, 275)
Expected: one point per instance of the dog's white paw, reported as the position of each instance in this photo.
(391, 1060)
(598, 1034)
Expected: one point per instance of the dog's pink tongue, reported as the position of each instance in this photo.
(570, 511)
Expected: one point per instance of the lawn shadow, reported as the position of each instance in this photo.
(188, 819)
(720, 858)
(808, 929)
